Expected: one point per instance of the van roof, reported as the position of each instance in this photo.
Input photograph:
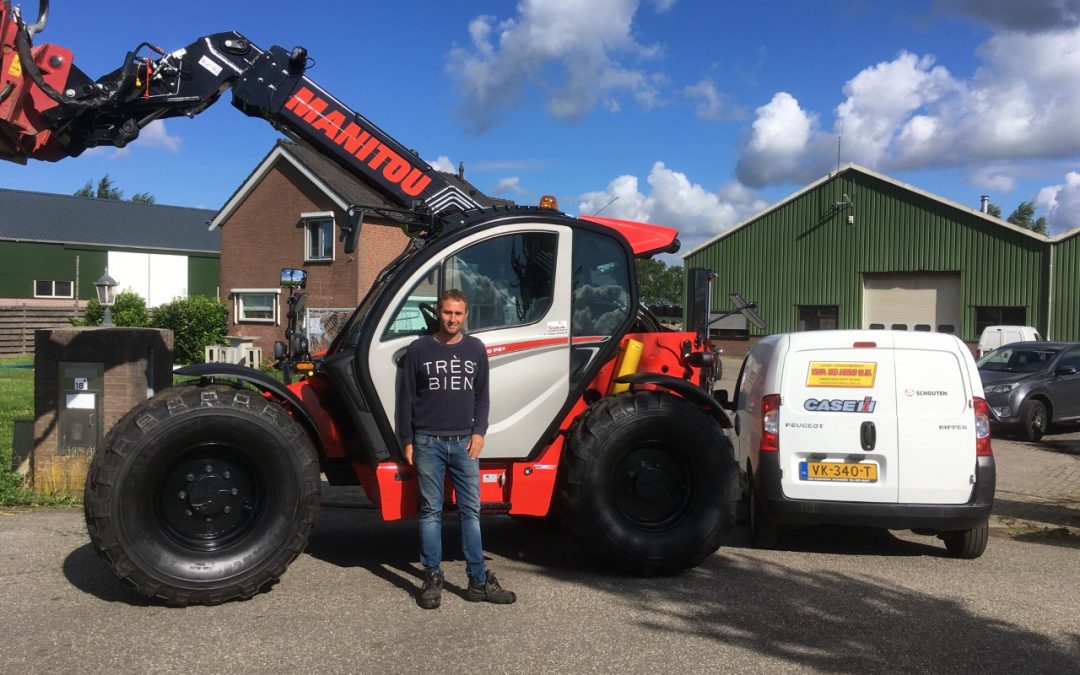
(886, 339)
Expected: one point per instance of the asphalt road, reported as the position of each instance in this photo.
(839, 600)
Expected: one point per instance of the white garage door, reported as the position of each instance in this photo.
(912, 299)
(157, 277)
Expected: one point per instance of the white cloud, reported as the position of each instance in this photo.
(911, 113)
(675, 201)
(1061, 203)
(566, 48)
(992, 178)
(443, 163)
(155, 136)
(511, 185)
(713, 104)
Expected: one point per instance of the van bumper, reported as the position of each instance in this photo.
(875, 514)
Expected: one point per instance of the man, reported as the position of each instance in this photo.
(442, 416)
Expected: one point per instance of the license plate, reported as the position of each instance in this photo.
(844, 472)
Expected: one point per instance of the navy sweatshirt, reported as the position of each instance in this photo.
(442, 390)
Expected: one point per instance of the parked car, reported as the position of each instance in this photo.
(865, 427)
(995, 336)
(1032, 385)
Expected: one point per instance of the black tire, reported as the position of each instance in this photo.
(650, 484)
(764, 531)
(1034, 420)
(203, 494)
(967, 544)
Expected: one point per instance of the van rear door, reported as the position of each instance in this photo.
(937, 423)
(838, 436)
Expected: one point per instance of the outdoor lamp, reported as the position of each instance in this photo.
(106, 294)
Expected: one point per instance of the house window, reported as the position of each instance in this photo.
(318, 236)
(48, 288)
(999, 316)
(818, 317)
(255, 305)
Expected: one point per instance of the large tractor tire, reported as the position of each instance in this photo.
(651, 483)
(203, 494)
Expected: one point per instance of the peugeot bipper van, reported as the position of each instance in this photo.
(865, 427)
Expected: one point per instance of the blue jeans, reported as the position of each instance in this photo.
(433, 458)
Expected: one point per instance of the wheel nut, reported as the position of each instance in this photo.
(234, 492)
(228, 509)
(187, 512)
(182, 495)
(227, 475)
(209, 469)
(190, 477)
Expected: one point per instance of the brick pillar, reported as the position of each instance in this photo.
(72, 410)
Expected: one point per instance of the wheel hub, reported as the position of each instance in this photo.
(206, 500)
(651, 487)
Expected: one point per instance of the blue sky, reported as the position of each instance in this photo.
(689, 113)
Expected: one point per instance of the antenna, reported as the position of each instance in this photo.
(606, 205)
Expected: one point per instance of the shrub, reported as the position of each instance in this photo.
(196, 322)
(128, 310)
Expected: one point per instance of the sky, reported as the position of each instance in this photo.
(695, 114)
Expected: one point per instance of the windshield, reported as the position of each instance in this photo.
(1017, 360)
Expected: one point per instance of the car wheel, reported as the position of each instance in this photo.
(968, 544)
(1034, 420)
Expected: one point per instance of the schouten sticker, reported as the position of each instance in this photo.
(863, 405)
(834, 374)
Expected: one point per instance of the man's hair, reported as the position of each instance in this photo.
(453, 294)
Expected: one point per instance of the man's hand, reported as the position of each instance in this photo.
(408, 454)
(476, 444)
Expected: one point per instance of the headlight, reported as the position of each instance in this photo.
(1000, 388)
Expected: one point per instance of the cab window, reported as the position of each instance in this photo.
(416, 315)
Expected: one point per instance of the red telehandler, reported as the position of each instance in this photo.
(208, 490)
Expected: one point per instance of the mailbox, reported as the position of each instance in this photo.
(82, 387)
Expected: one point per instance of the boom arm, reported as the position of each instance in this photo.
(50, 110)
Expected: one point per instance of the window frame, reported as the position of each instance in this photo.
(1000, 319)
(54, 295)
(238, 305)
(818, 316)
(308, 219)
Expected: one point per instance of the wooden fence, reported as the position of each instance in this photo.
(19, 319)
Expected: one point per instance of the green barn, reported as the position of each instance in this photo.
(858, 249)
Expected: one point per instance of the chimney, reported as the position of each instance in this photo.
(461, 170)
(985, 204)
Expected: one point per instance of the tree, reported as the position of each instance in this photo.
(106, 189)
(659, 284)
(993, 210)
(129, 309)
(1024, 216)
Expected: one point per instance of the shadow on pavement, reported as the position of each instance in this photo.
(1051, 513)
(89, 572)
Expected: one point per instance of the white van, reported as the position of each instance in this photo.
(994, 336)
(865, 427)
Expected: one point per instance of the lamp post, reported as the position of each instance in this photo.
(106, 294)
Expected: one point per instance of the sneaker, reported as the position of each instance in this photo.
(430, 596)
(490, 591)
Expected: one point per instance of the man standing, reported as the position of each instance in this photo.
(442, 416)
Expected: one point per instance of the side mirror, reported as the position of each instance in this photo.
(350, 231)
(1065, 370)
(723, 398)
(293, 278)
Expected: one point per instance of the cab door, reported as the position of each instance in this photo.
(517, 279)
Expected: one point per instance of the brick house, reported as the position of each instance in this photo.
(287, 213)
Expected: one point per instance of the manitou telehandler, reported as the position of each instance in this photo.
(208, 490)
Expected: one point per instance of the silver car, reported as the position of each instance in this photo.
(1032, 385)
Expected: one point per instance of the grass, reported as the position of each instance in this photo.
(17, 402)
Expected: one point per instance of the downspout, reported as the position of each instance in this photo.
(1050, 295)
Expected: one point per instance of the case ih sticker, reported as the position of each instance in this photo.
(830, 374)
(864, 405)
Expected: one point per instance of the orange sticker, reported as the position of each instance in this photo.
(830, 374)
(16, 67)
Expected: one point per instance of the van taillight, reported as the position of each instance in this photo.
(770, 423)
(982, 428)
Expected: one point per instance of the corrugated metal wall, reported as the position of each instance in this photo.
(806, 252)
(1065, 291)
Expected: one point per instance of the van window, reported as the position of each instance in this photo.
(999, 316)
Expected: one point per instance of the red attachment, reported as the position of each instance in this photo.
(770, 423)
(982, 428)
(864, 345)
(644, 238)
(23, 133)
